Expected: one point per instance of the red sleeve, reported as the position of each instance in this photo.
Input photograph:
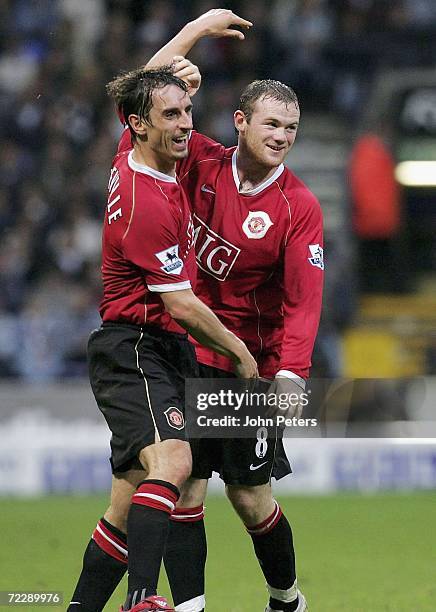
(159, 255)
(200, 148)
(302, 285)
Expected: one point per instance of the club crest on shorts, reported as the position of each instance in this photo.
(317, 256)
(172, 264)
(256, 224)
(175, 418)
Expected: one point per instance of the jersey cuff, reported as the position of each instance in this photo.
(297, 379)
(170, 287)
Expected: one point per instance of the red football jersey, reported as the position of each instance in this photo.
(260, 255)
(147, 244)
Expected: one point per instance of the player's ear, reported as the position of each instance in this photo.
(137, 124)
(240, 121)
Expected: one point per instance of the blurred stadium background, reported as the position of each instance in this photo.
(365, 73)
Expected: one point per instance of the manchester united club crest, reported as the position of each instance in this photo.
(256, 224)
(174, 417)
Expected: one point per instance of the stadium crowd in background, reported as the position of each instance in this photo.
(59, 133)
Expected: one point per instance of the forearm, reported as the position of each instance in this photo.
(181, 44)
(216, 22)
(203, 325)
(301, 321)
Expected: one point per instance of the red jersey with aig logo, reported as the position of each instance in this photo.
(147, 244)
(260, 257)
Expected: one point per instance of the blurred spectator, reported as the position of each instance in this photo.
(88, 23)
(303, 30)
(35, 18)
(420, 14)
(18, 62)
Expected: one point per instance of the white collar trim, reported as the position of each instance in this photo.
(259, 188)
(160, 176)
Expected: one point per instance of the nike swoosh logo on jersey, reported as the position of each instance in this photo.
(206, 189)
(256, 467)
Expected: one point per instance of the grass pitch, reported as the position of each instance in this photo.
(354, 553)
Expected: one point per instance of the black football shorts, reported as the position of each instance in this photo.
(138, 376)
(241, 461)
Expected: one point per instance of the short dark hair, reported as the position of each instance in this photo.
(133, 91)
(266, 88)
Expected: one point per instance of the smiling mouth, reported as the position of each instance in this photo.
(277, 149)
(180, 139)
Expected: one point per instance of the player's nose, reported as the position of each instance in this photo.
(185, 122)
(280, 135)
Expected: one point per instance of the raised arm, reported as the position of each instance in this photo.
(215, 23)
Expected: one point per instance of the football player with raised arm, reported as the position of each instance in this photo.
(259, 249)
